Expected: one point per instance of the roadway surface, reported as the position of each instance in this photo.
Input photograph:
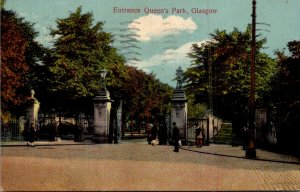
(138, 166)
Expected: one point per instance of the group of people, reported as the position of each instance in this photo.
(199, 139)
(157, 134)
(153, 136)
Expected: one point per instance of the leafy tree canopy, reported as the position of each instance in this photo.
(285, 99)
(229, 57)
(144, 96)
(80, 51)
(19, 55)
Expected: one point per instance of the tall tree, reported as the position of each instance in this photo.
(144, 96)
(80, 51)
(19, 54)
(229, 57)
(286, 99)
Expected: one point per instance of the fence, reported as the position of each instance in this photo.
(13, 130)
(51, 126)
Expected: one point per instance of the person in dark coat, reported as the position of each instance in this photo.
(176, 137)
(154, 133)
(162, 134)
(31, 135)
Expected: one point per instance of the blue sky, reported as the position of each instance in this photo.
(163, 38)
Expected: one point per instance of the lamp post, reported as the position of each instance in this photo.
(250, 151)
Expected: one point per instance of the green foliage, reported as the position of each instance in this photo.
(70, 75)
(294, 48)
(195, 110)
(19, 56)
(80, 51)
(2, 3)
(229, 56)
(144, 96)
(286, 99)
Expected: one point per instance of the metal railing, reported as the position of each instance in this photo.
(13, 130)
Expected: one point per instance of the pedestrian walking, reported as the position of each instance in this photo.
(199, 136)
(31, 135)
(154, 134)
(176, 137)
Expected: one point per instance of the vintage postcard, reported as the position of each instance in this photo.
(150, 95)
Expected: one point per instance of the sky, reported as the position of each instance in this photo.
(156, 35)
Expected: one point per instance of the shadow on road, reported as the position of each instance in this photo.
(238, 157)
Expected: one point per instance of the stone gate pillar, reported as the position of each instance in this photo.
(179, 107)
(102, 108)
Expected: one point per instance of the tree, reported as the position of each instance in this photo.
(144, 96)
(286, 99)
(229, 56)
(19, 54)
(80, 51)
(195, 110)
(2, 3)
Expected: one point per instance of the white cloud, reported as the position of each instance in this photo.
(170, 56)
(152, 26)
(164, 65)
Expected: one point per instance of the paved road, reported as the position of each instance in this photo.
(139, 166)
